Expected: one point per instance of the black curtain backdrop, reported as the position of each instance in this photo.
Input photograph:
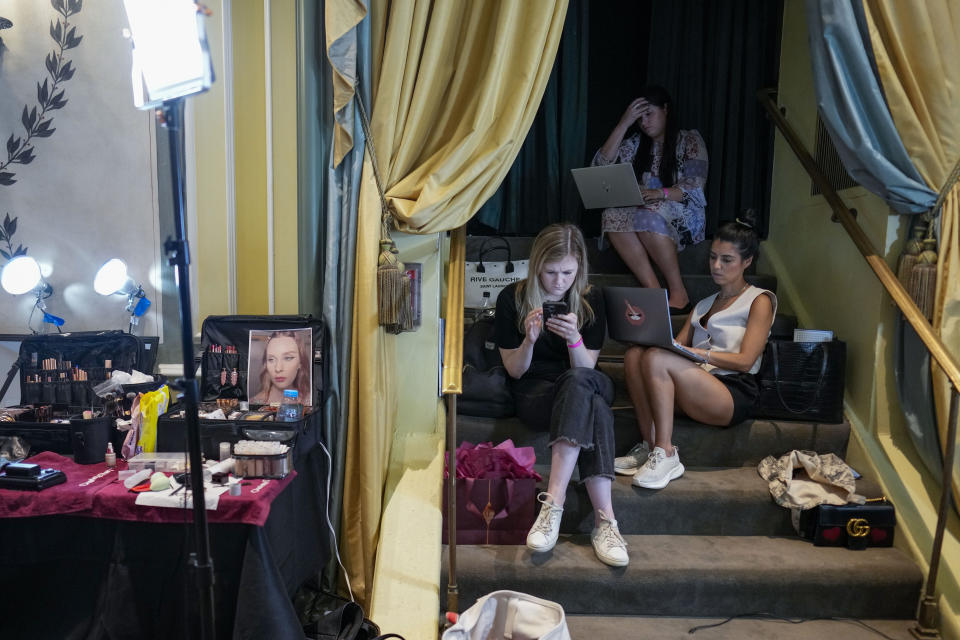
(711, 56)
(619, 32)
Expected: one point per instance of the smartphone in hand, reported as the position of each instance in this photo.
(551, 309)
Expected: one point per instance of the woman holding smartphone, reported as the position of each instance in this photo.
(549, 329)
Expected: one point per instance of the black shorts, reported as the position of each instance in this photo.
(745, 391)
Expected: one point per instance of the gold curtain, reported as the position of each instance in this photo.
(917, 48)
(456, 87)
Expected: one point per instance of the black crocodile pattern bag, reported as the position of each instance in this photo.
(802, 381)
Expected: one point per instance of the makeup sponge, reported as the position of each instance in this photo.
(159, 481)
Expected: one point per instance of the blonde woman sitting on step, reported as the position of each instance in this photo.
(551, 360)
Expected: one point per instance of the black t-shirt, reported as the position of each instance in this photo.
(551, 356)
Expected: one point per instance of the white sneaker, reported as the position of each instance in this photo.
(543, 534)
(629, 464)
(608, 544)
(659, 469)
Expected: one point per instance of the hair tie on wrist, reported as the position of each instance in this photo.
(665, 194)
(575, 344)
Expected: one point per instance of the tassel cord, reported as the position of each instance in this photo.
(384, 206)
(947, 188)
(393, 285)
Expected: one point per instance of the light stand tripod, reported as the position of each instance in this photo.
(171, 60)
(201, 563)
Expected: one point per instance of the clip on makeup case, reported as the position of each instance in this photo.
(225, 343)
(57, 375)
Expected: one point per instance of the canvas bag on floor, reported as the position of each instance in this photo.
(510, 614)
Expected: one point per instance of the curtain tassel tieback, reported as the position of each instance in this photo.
(917, 269)
(393, 290)
(923, 278)
(393, 283)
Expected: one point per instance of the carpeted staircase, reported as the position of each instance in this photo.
(712, 544)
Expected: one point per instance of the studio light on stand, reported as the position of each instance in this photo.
(171, 60)
(22, 275)
(112, 278)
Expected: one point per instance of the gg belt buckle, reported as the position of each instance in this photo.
(858, 527)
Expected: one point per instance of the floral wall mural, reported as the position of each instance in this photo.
(59, 69)
(77, 165)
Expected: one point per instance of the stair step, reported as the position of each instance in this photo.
(693, 259)
(715, 502)
(584, 626)
(700, 576)
(745, 444)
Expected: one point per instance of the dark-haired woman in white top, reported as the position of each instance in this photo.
(729, 329)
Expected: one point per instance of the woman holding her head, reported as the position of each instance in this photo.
(551, 362)
(729, 329)
(671, 168)
(285, 365)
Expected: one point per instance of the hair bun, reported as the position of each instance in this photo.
(748, 218)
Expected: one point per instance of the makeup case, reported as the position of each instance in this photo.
(224, 376)
(57, 375)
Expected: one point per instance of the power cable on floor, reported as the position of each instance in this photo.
(336, 545)
(770, 616)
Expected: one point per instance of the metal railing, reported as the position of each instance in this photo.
(452, 386)
(927, 609)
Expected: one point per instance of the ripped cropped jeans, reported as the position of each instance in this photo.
(575, 407)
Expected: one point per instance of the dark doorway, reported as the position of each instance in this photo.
(711, 56)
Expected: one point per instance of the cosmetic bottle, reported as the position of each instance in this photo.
(110, 458)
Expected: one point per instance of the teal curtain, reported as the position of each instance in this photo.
(328, 223)
(853, 108)
(915, 389)
(314, 125)
(539, 190)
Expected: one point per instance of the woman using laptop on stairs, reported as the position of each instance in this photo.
(551, 355)
(671, 168)
(729, 330)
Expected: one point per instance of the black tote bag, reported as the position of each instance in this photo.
(486, 390)
(802, 381)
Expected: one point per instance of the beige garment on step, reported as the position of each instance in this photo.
(805, 479)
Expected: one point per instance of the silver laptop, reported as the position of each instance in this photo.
(642, 316)
(611, 185)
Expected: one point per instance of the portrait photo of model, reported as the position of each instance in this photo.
(280, 360)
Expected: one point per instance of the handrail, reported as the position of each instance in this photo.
(452, 385)
(927, 613)
(452, 381)
(887, 278)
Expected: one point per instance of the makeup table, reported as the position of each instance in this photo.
(81, 559)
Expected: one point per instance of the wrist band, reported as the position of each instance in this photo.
(665, 195)
(575, 344)
(708, 356)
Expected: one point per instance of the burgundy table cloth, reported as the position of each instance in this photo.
(93, 490)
